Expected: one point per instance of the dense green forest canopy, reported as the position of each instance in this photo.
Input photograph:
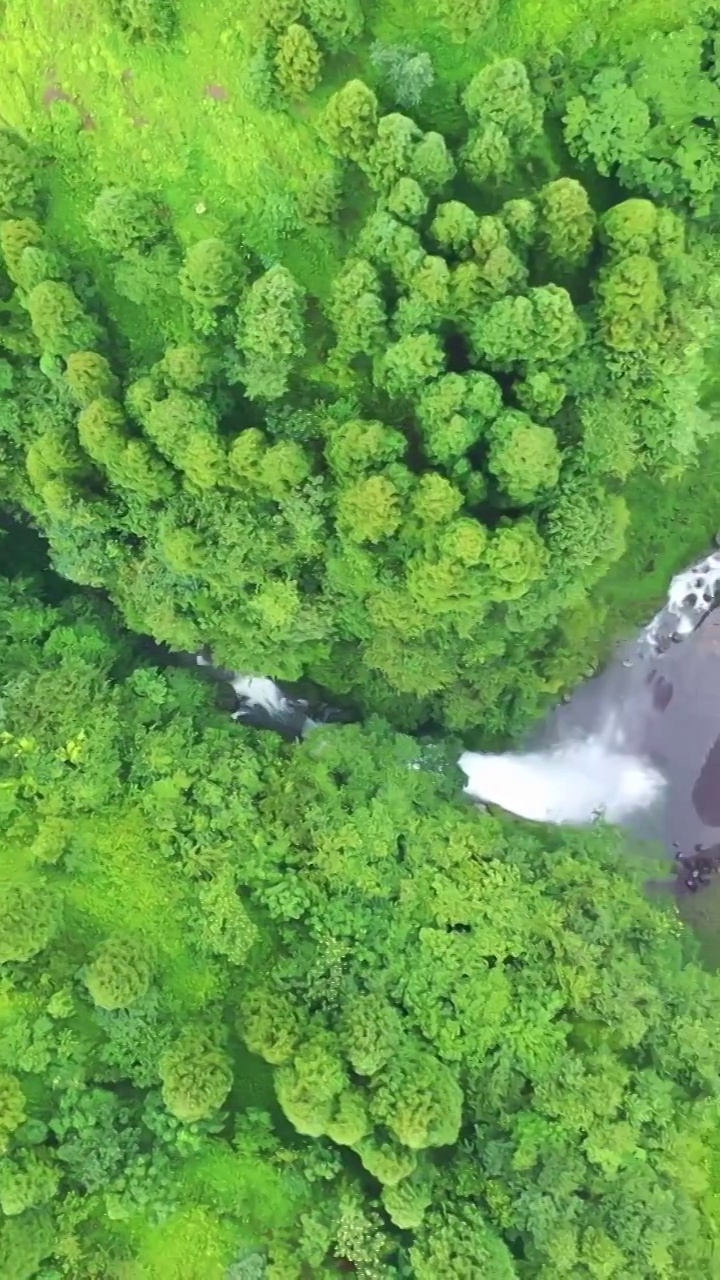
(402, 477)
(375, 345)
(298, 1009)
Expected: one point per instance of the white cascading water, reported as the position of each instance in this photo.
(579, 780)
(691, 596)
(575, 781)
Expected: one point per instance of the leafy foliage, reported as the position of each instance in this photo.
(122, 219)
(270, 333)
(19, 177)
(375, 482)
(478, 1035)
(119, 973)
(376, 398)
(297, 62)
(407, 74)
(350, 120)
(196, 1078)
(152, 20)
(649, 116)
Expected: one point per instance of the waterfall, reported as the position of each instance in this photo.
(578, 779)
(574, 782)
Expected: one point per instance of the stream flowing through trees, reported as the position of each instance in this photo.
(638, 744)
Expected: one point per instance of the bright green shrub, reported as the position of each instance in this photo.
(196, 1077)
(336, 22)
(89, 376)
(18, 177)
(119, 973)
(151, 20)
(27, 921)
(297, 61)
(60, 323)
(349, 122)
(123, 218)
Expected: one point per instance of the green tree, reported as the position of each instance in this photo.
(89, 376)
(59, 322)
(357, 311)
(187, 367)
(369, 510)
(407, 1202)
(184, 429)
(24, 1242)
(520, 217)
(371, 1032)
(463, 1244)
(454, 226)
(631, 299)
(427, 302)
(408, 201)
(123, 219)
(307, 1087)
(506, 116)
(608, 123)
(541, 327)
(337, 22)
(212, 275)
(297, 61)
(26, 1183)
(516, 557)
(498, 270)
(357, 446)
(389, 158)
(17, 235)
(488, 154)
(151, 20)
(630, 227)
(102, 431)
(408, 74)
(566, 221)
(453, 412)
(411, 362)
(196, 1077)
(37, 265)
(540, 394)
(19, 174)
(435, 500)
(349, 122)
(389, 243)
(27, 923)
(12, 1107)
(524, 457)
(432, 164)
(270, 333)
(501, 94)
(280, 14)
(270, 1024)
(119, 974)
(386, 1159)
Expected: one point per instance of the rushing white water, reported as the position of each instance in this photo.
(691, 596)
(578, 780)
(262, 702)
(575, 782)
(260, 691)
